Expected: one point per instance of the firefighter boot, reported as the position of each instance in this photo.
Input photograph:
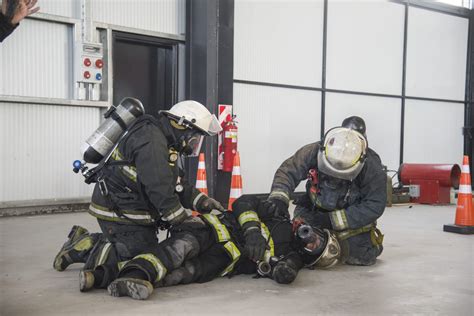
(137, 289)
(75, 249)
(136, 277)
(86, 280)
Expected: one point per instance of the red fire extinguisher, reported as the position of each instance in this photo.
(229, 144)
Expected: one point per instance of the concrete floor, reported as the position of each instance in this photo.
(423, 270)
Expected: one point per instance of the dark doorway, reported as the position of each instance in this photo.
(145, 68)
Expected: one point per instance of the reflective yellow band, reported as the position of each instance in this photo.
(104, 213)
(104, 253)
(281, 195)
(120, 264)
(221, 231)
(196, 200)
(159, 267)
(339, 219)
(116, 155)
(177, 211)
(129, 171)
(266, 234)
(376, 237)
(249, 216)
(353, 232)
(234, 254)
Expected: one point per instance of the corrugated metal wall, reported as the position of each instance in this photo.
(162, 16)
(275, 40)
(436, 61)
(281, 42)
(382, 117)
(269, 133)
(365, 46)
(38, 144)
(36, 61)
(69, 8)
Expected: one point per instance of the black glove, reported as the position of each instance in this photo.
(321, 219)
(255, 244)
(272, 208)
(208, 204)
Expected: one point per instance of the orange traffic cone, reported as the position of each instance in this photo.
(464, 222)
(201, 179)
(236, 183)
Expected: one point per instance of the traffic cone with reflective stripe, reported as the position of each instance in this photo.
(201, 179)
(464, 222)
(236, 183)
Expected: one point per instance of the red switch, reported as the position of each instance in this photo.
(87, 62)
(87, 74)
(99, 63)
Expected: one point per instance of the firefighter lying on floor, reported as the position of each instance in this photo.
(261, 244)
(245, 241)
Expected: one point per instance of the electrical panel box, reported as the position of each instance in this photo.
(414, 191)
(88, 62)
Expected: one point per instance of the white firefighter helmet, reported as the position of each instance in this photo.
(194, 115)
(342, 154)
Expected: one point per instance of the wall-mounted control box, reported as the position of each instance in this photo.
(88, 67)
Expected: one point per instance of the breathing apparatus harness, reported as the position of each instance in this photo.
(101, 176)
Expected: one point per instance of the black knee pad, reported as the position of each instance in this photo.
(245, 203)
(180, 247)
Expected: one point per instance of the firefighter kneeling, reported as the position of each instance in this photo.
(345, 191)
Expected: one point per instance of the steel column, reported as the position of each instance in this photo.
(468, 130)
(210, 49)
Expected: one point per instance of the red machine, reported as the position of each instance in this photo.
(229, 144)
(429, 183)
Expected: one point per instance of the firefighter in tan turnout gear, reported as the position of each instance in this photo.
(138, 189)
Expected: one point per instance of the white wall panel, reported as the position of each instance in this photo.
(436, 55)
(69, 8)
(38, 144)
(365, 46)
(36, 60)
(279, 41)
(433, 132)
(273, 124)
(382, 118)
(167, 16)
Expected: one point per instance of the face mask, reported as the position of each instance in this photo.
(192, 143)
(313, 240)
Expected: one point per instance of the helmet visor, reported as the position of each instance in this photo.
(214, 126)
(194, 144)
